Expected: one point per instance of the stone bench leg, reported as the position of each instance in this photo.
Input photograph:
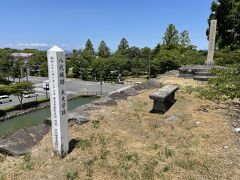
(171, 98)
(158, 107)
(162, 106)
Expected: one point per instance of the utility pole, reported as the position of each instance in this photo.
(26, 69)
(101, 83)
(80, 61)
(149, 67)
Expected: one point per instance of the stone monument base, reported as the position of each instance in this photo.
(197, 72)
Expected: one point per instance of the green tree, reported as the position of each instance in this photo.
(16, 70)
(146, 52)
(133, 52)
(100, 68)
(43, 69)
(6, 64)
(123, 46)
(156, 50)
(226, 12)
(20, 89)
(4, 90)
(184, 39)
(171, 38)
(74, 52)
(79, 65)
(38, 63)
(138, 66)
(192, 56)
(103, 50)
(88, 52)
(166, 60)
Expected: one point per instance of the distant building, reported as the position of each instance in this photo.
(24, 56)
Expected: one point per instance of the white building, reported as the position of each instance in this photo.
(24, 56)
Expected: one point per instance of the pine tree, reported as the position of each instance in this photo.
(103, 50)
(156, 50)
(171, 38)
(88, 52)
(184, 39)
(123, 46)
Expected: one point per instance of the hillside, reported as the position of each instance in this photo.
(193, 140)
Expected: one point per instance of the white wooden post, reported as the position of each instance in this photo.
(58, 100)
(211, 45)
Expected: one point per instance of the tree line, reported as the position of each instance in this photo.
(175, 50)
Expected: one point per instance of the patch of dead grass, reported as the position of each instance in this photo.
(127, 142)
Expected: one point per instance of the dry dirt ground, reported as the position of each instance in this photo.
(193, 140)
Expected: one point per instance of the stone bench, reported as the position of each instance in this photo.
(163, 99)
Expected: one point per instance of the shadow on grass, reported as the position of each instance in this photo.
(72, 145)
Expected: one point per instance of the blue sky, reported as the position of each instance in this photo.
(69, 23)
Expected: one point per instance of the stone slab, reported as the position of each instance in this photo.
(197, 72)
(202, 78)
(22, 141)
(164, 92)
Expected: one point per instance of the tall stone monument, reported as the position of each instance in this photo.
(211, 45)
(58, 100)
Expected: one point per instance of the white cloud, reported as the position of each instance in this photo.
(65, 45)
(41, 46)
(33, 45)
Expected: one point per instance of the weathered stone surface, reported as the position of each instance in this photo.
(164, 93)
(22, 141)
(197, 72)
(77, 118)
(163, 99)
(172, 118)
(202, 78)
(212, 39)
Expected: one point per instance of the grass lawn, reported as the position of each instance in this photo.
(193, 140)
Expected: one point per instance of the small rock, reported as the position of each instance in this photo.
(237, 130)
(204, 109)
(198, 123)
(223, 106)
(172, 118)
(231, 114)
(238, 141)
(234, 124)
(236, 101)
(225, 147)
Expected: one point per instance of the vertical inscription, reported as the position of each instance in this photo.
(58, 99)
(211, 45)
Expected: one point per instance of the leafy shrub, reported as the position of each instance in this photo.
(4, 81)
(166, 60)
(193, 57)
(27, 162)
(4, 90)
(225, 85)
(226, 57)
